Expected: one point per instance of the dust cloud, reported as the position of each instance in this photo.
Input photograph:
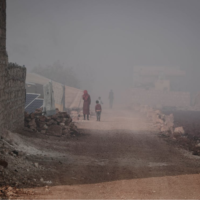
(103, 41)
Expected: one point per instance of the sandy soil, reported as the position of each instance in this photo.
(120, 157)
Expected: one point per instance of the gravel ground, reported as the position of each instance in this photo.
(119, 157)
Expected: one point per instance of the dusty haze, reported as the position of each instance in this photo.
(106, 38)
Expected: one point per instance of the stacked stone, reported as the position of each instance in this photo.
(3, 60)
(57, 125)
(12, 83)
(3, 27)
(15, 96)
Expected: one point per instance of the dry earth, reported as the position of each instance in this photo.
(120, 157)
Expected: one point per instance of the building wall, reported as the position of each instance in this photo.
(12, 83)
(163, 85)
(150, 77)
(161, 98)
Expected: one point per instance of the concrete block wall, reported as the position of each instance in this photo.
(12, 83)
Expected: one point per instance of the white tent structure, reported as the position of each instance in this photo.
(64, 96)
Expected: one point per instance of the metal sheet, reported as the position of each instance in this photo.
(30, 98)
(37, 103)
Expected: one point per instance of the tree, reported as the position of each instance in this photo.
(57, 72)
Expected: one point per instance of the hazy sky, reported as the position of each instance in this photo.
(109, 36)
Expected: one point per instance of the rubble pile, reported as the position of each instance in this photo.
(57, 125)
(8, 192)
(161, 122)
(15, 168)
(187, 137)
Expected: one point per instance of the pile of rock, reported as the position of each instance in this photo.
(163, 123)
(58, 124)
(8, 192)
(187, 137)
(16, 169)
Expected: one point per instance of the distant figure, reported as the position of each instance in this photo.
(98, 110)
(86, 104)
(100, 102)
(111, 98)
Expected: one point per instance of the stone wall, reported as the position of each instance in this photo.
(14, 96)
(3, 58)
(12, 83)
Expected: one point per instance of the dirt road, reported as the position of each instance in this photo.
(119, 157)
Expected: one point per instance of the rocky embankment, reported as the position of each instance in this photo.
(17, 169)
(180, 127)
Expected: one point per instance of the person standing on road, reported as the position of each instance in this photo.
(86, 104)
(100, 101)
(111, 98)
(98, 110)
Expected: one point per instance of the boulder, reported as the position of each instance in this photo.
(33, 127)
(179, 131)
(55, 117)
(164, 129)
(66, 132)
(198, 145)
(32, 115)
(36, 165)
(45, 127)
(169, 120)
(32, 123)
(41, 124)
(68, 121)
(159, 121)
(51, 122)
(43, 131)
(26, 114)
(55, 130)
(158, 112)
(166, 134)
(59, 120)
(42, 118)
